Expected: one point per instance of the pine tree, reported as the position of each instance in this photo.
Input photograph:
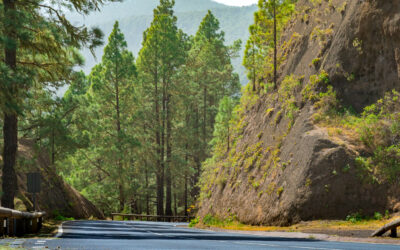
(112, 85)
(38, 46)
(264, 35)
(222, 130)
(161, 55)
(211, 73)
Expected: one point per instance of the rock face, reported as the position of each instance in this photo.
(56, 196)
(284, 171)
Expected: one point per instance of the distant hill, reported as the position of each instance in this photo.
(136, 15)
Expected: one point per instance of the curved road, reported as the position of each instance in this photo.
(152, 235)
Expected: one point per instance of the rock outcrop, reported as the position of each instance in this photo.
(287, 169)
(56, 196)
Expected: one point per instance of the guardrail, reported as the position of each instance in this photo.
(17, 223)
(153, 217)
(392, 227)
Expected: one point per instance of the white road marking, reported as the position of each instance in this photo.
(270, 245)
(316, 248)
(256, 244)
(170, 236)
(18, 242)
(60, 231)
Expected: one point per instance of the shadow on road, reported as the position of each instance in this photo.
(152, 231)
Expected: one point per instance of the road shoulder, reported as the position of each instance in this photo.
(312, 236)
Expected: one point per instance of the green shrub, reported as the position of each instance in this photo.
(210, 220)
(63, 218)
(279, 191)
(316, 61)
(58, 216)
(378, 216)
(194, 222)
(354, 218)
(379, 130)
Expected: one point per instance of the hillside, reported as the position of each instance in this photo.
(321, 146)
(136, 15)
(56, 197)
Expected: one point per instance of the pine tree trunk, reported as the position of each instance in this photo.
(10, 128)
(175, 205)
(254, 69)
(186, 192)
(160, 169)
(162, 148)
(53, 151)
(204, 120)
(199, 150)
(275, 49)
(147, 190)
(119, 160)
(168, 200)
(229, 139)
(9, 177)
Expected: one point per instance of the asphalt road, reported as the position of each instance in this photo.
(150, 235)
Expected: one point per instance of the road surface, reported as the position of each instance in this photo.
(151, 235)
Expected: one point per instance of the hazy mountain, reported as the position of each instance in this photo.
(136, 15)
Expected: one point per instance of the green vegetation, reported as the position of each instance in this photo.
(223, 126)
(261, 53)
(38, 52)
(375, 128)
(316, 61)
(132, 134)
(212, 221)
(135, 16)
(62, 218)
(358, 217)
(194, 222)
(153, 134)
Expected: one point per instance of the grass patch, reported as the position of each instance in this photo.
(319, 225)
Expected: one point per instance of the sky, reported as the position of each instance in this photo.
(237, 2)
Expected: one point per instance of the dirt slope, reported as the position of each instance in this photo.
(285, 170)
(56, 197)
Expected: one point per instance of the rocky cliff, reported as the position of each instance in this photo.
(56, 196)
(299, 153)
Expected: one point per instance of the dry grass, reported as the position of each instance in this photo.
(320, 225)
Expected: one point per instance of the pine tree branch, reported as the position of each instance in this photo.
(96, 165)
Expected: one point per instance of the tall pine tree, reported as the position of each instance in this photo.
(38, 46)
(112, 88)
(159, 59)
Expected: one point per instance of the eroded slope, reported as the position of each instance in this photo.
(294, 159)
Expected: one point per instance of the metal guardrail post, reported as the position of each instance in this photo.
(14, 227)
(34, 225)
(28, 225)
(393, 233)
(19, 227)
(392, 227)
(8, 226)
(17, 223)
(3, 225)
(40, 223)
